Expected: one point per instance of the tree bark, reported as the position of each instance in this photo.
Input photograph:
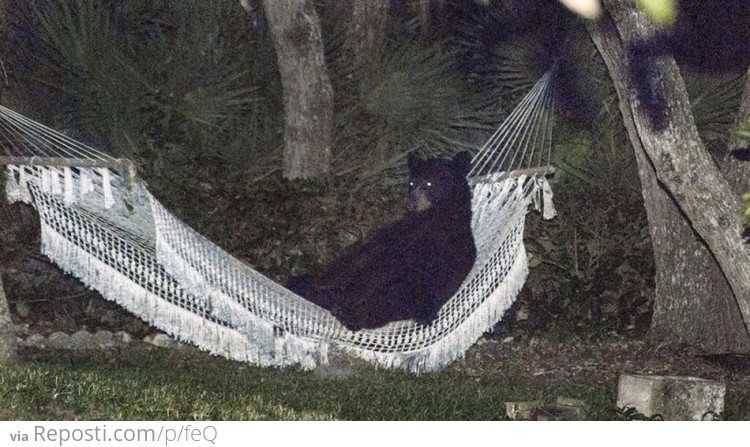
(7, 339)
(308, 95)
(693, 300)
(431, 18)
(702, 289)
(367, 31)
(425, 19)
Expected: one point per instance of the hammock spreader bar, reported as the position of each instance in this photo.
(122, 166)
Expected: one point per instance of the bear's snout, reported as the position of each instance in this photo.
(418, 201)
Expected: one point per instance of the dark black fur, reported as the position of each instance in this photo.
(409, 269)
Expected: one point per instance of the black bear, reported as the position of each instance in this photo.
(410, 268)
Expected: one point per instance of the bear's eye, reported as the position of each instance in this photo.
(411, 183)
(429, 184)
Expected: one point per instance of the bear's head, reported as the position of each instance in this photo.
(435, 182)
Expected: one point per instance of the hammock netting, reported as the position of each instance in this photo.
(100, 224)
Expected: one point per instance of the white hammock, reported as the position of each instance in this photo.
(99, 223)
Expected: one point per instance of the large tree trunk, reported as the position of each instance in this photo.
(7, 339)
(702, 292)
(694, 302)
(308, 96)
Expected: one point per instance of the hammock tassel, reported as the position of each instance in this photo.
(101, 224)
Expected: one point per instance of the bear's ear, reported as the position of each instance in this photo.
(462, 162)
(413, 161)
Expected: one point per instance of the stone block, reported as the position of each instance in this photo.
(671, 397)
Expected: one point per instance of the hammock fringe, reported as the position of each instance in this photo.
(197, 293)
(100, 224)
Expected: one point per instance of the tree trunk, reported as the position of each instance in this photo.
(7, 339)
(425, 19)
(431, 19)
(694, 303)
(697, 299)
(367, 31)
(308, 96)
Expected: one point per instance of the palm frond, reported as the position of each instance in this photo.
(714, 102)
(142, 75)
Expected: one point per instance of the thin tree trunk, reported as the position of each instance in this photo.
(308, 95)
(431, 19)
(697, 299)
(367, 31)
(7, 339)
(425, 19)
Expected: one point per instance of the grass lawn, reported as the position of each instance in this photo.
(142, 382)
(146, 383)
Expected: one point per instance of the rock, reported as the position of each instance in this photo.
(58, 340)
(35, 341)
(164, 341)
(21, 330)
(672, 398)
(564, 409)
(122, 337)
(571, 409)
(22, 309)
(82, 340)
(105, 339)
(523, 411)
(102, 339)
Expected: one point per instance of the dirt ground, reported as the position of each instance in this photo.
(603, 362)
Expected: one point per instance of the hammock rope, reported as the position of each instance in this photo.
(100, 223)
(528, 128)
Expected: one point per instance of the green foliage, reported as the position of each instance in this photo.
(746, 206)
(164, 83)
(89, 65)
(147, 383)
(420, 96)
(592, 270)
(511, 69)
(743, 131)
(663, 11)
(502, 53)
(631, 414)
(593, 263)
(186, 86)
(415, 99)
(714, 101)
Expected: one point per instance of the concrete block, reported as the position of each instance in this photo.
(673, 398)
